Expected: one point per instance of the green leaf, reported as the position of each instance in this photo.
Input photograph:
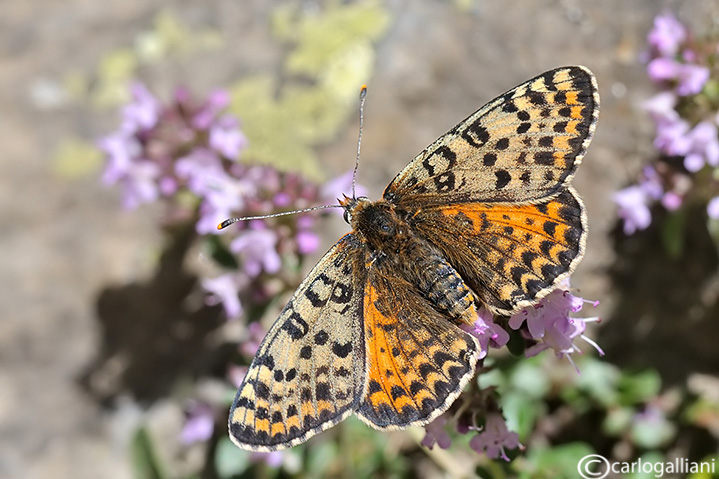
(618, 420)
(229, 459)
(144, 459)
(640, 387)
(219, 252)
(599, 379)
(672, 233)
(521, 412)
(713, 227)
(558, 462)
(653, 432)
(528, 378)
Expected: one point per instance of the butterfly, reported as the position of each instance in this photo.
(483, 216)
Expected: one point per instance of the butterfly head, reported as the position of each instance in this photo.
(351, 205)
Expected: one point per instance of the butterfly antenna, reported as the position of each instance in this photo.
(231, 221)
(363, 95)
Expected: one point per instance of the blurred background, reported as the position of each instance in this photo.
(106, 350)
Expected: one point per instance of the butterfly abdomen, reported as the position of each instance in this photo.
(441, 283)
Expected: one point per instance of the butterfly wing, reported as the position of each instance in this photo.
(510, 255)
(522, 146)
(308, 372)
(418, 361)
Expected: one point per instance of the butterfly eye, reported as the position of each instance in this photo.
(347, 216)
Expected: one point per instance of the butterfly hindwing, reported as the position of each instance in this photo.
(418, 361)
(521, 146)
(308, 373)
(510, 255)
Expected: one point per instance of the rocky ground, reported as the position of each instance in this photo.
(64, 239)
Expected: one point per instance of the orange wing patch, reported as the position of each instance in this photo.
(417, 361)
(511, 255)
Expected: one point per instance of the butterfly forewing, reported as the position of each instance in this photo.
(308, 373)
(520, 147)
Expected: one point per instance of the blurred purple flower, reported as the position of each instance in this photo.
(713, 208)
(255, 334)
(672, 136)
(202, 171)
(224, 289)
(236, 374)
(704, 146)
(273, 459)
(199, 425)
(690, 78)
(257, 247)
(160, 149)
(633, 204)
(204, 117)
(142, 113)
(651, 183)
(661, 106)
(307, 241)
(487, 332)
(667, 35)
(494, 437)
(226, 138)
(435, 433)
(672, 201)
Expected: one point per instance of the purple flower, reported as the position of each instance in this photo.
(672, 136)
(255, 335)
(487, 332)
(436, 434)
(224, 289)
(633, 206)
(199, 424)
(671, 201)
(143, 112)
(713, 208)
(494, 438)
(549, 323)
(206, 115)
(667, 35)
(704, 146)
(661, 106)
(257, 247)
(236, 374)
(690, 78)
(651, 183)
(226, 138)
(273, 459)
(307, 241)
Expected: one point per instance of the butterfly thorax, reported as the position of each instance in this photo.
(392, 243)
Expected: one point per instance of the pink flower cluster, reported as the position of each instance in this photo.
(682, 67)
(191, 146)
